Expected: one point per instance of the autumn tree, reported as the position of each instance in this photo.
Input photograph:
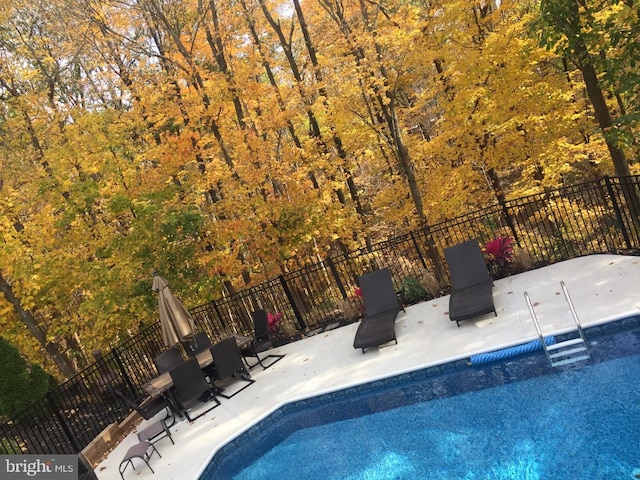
(571, 28)
(36, 83)
(380, 74)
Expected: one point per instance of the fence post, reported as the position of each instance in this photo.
(509, 220)
(336, 277)
(616, 209)
(216, 310)
(435, 255)
(63, 422)
(293, 303)
(118, 361)
(415, 244)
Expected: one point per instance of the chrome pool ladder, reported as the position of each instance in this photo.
(568, 351)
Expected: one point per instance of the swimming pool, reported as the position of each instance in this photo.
(515, 419)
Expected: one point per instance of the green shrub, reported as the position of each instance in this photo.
(21, 383)
(414, 292)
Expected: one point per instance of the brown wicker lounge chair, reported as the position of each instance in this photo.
(472, 294)
(381, 309)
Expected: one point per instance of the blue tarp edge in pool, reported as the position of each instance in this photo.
(510, 351)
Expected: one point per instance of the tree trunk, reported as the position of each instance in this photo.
(603, 117)
(62, 362)
(572, 26)
(386, 111)
(269, 71)
(217, 49)
(314, 126)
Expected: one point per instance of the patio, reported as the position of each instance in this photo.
(603, 288)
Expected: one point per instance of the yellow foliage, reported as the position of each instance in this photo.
(231, 145)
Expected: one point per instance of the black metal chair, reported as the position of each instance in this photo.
(199, 343)
(148, 407)
(168, 359)
(190, 385)
(228, 364)
(261, 341)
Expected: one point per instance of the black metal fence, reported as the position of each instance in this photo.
(601, 216)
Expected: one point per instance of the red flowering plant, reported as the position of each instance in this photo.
(498, 254)
(273, 319)
(352, 307)
(358, 300)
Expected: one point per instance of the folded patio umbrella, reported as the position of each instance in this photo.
(175, 321)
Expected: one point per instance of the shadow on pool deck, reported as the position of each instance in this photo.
(603, 288)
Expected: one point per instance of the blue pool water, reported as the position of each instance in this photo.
(511, 420)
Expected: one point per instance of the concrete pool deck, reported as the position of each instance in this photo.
(603, 288)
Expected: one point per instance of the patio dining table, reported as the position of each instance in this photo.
(161, 384)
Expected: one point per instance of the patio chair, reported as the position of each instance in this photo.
(472, 294)
(148, 407)
(199, 343)
(228, 364)
(168, 359)
(190, 386)
(261, 341)
(381, 307)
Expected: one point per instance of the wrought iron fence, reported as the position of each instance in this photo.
(601, 216)
(68, 418)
